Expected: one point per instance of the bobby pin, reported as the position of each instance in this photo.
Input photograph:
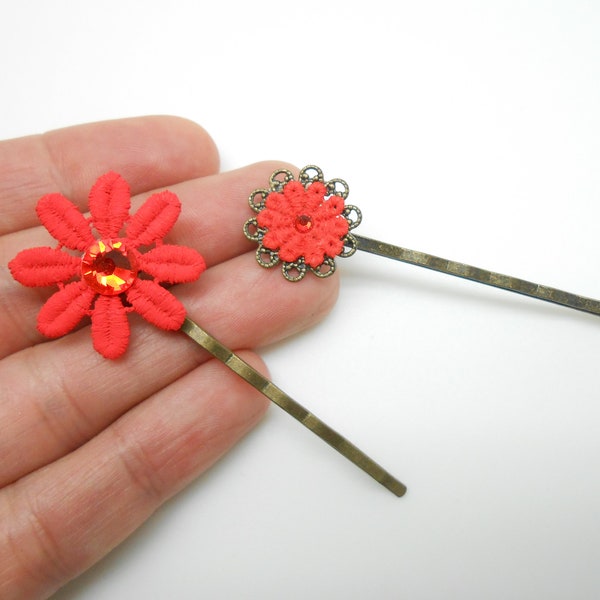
(105, 283)
(305, 224)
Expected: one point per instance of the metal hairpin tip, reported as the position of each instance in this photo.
(293, 408)
(504, 282)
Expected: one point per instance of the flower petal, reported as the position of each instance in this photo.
(64, 221)
(266, 218)
(332, 247)
(275, 201)
(272, 240)
(333, 206)
(318, 188)
(315, 196)
(172, 264)
(340, 227)
(110, 200)
(65, 309)
(294, 247)
(110, 327)
(154, 219)
(314, 258)
(296, 197)
(43, 266)
(156, 305)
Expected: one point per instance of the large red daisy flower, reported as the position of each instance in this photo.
(105, 281)
(304, 223)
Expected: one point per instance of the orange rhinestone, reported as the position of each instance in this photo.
(303, 223)
(108, 268)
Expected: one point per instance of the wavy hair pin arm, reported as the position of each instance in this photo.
(293, 408)
(464, 271)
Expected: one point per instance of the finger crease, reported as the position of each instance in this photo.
(54, 165)
(43, 562)
(73, 434)
(137, 465)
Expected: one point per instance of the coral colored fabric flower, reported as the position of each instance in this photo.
(304, 223)
(105, 281)
(301, 223)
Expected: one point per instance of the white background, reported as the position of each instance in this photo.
(470, 130)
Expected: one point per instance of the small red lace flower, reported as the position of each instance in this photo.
(105, 281)
(304, 223)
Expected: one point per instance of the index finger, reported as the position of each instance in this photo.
(151, 152)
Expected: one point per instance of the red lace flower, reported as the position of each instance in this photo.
(105, 281)
(304, 223)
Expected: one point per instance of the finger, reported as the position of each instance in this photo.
(150, 152)
(62, 393)
(60, 520)
(214, 211)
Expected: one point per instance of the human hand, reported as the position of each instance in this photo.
(91, 447)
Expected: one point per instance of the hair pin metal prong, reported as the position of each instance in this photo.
(491, 278)
(293, 408)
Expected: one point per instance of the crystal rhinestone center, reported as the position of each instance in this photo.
(108, 268)
(303, 223)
